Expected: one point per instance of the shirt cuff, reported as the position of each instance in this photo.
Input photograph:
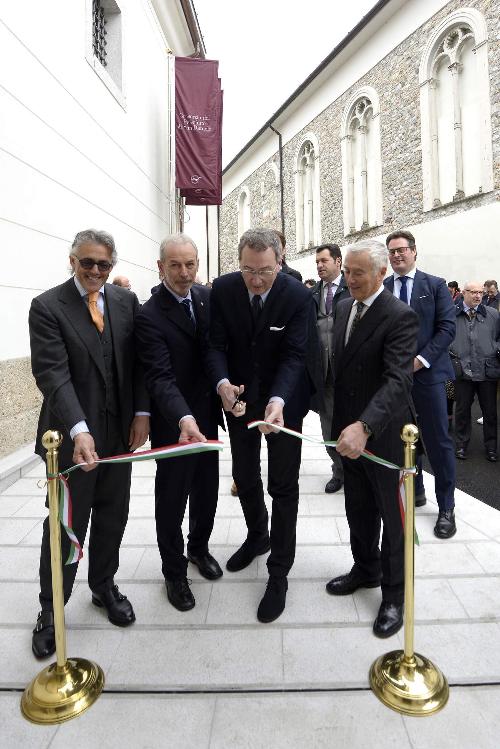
(424, 361)
(276, 399)
(142, 413)
(78, 429)
(187, 416)
(224, 379)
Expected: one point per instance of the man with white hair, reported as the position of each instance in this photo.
(374, 343)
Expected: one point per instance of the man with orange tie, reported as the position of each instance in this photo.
(83, 359)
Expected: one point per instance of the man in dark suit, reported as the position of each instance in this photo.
(429, 297)
(284, 267)
(172, 342)
(374, 343)
(259, 330)
(83, 359)
(327, 293)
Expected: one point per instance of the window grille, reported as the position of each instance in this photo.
(99, 32)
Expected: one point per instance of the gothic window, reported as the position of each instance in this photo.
(307, 197)
(455, 109)
(243, 211)
(361, 162)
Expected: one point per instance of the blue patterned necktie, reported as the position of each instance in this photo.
(403, 294)
(186, 305)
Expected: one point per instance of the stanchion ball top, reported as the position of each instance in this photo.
(409, 433)
(52, 440)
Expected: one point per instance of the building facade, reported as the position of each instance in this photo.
(85, 141)
(398, 127)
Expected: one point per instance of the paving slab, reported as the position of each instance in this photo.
(215, 677)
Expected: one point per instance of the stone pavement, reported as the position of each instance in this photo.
(214, 677)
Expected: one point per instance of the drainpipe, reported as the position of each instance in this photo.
(282, 195)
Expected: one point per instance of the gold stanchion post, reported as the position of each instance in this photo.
(69, 686)
(402, 679)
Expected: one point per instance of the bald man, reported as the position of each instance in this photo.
(123, 282)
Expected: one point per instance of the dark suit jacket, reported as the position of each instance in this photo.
(285, 268)
(342, 292)
(68, 363)
(434, 306)
(373, 373)
(270, 360)
(177, 367)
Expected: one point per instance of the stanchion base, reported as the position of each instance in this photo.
(411, 687)
(58, 694)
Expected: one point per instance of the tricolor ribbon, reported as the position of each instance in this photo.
(365, 454)
(65, 501)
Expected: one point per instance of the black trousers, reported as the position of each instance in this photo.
(101, 495)
(283, 454)
(371, 496)
(196, 476)
(465, 391)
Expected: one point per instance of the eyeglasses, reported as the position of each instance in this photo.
(88, 263)
(399, 250)
(259, 273)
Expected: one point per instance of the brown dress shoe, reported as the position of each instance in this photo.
(234, 489)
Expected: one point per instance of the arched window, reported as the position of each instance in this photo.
(361, 162)
(243, 211)
(307, 197)
(455, 110)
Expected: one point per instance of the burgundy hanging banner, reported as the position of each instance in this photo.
(198, 127)
(198, 195)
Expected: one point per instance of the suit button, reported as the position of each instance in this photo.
(253, 344)
(351, 393)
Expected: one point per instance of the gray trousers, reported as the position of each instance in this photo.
(326, 417)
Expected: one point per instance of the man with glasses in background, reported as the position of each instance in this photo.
(476, 354)
(83, 359)
(429, 297)
(260, 322)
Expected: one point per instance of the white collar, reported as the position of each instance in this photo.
(84, 292)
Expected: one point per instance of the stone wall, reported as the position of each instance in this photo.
(396, 80)
(19, 404)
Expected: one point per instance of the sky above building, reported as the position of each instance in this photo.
(266, 48)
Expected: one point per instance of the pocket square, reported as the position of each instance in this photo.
(276, 329)
(424, 296)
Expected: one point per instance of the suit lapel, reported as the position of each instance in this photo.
(269, 304)
(200, 307)
(174, 311)
(77, 313)
(242, 309)
(339, 330)
(365, 328)
(418, 287)
(116, 314)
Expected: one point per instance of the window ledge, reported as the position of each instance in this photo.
(465, 199)
(105, 77)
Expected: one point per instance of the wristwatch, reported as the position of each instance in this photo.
(366, 428)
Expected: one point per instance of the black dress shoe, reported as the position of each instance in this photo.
(491, 456)
(43, 642)
(389, 619)
(460, 453)
(273, 601)
(207, 565)
(119, 608)
(333, 485)
(179, 594)
(445, 526)
(246, 554)
(420, 500)
(345, 584)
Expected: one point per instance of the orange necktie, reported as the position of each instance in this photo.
(95, 312)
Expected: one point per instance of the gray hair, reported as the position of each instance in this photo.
(260, 240)
(377, 251)
(178, 238)
(92, 236)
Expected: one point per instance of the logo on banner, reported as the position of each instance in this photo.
(195, 179)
